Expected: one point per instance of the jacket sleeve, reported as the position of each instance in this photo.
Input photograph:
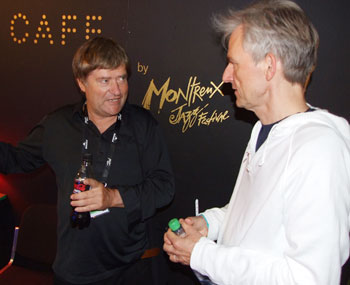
(27, 156)
(157, 188)
(316, 223)
(214, 218)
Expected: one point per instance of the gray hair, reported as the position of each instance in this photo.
(279, 27)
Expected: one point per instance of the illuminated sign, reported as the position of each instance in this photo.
(22, 31)
(190, 105)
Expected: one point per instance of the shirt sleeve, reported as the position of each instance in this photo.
(27, 156)
(316, 222)
(214, 218)
(157, 188)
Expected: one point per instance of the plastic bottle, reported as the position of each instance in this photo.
(176, 227)
(82, 219)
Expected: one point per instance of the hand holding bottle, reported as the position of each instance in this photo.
(98, 197)
(179, 248)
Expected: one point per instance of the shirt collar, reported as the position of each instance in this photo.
(78, 110)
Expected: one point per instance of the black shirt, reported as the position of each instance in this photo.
(263, 134)
(140, 170)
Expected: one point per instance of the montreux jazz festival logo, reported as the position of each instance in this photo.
(190, 105)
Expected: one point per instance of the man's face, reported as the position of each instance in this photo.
(106, 91)
(246, 77)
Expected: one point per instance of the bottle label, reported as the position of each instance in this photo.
(79, 186)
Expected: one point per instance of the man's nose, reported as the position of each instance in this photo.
(114, 87)
(227, 76)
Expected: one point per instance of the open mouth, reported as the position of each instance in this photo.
(114, 100)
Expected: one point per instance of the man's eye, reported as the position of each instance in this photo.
(104, 81)
(122, 79)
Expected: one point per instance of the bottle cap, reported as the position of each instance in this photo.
(174, 224)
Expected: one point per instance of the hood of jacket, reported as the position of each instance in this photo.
(289, 125)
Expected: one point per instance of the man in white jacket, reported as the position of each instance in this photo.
(288, 218)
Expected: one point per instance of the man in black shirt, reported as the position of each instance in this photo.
(133, 176)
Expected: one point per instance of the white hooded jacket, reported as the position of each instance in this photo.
(288, 218)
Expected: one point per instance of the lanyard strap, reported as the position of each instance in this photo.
(112, 145)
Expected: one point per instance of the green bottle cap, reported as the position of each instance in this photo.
(174, 224)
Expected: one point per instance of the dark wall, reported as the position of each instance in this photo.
(176, 60)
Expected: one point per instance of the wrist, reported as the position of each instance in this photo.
(116, 198)
(205, 219)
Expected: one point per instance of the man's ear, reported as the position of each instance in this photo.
(81, 85)
(271, 65)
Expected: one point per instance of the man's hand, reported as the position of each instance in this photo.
(178, 248)
(97, 198)
(199, 224)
